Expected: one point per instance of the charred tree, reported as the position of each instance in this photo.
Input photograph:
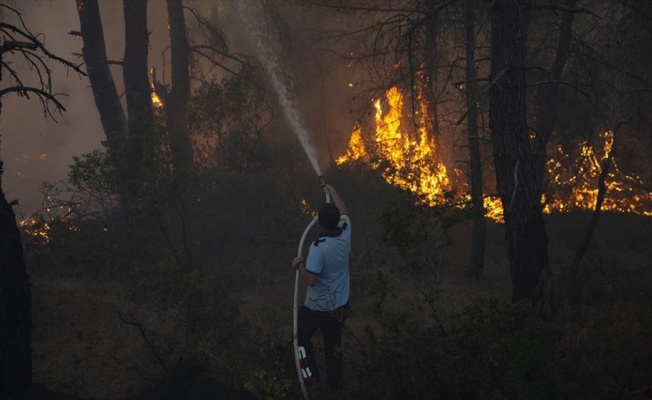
(549, 94)
(430, 62)
(125, 134)
(15, 305)
(138, 90)
(106, 95)
(107, 100)
(19, 47)
(476, 261)
(176, 103)
(525, 232)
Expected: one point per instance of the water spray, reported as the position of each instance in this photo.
(254, 14)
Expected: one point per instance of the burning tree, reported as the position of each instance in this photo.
(19, 44)
(541, 159)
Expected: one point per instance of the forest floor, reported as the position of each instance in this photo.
(83, 349)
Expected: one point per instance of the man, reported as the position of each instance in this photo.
(326, 272)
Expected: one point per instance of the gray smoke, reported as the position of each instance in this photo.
(36, 149)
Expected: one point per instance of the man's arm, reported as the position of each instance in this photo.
(308, 278)
(339, 203)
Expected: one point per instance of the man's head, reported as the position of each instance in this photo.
(329, 216)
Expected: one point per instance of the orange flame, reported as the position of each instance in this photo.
(576, 191)
(156, 101)
(411, 163)
(408, 162)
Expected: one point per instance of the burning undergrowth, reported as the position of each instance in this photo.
(398, 145)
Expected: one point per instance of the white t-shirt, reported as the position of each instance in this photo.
(328, 258)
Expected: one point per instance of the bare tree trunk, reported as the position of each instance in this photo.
(15, 305)
(125, 135)
(431, 70)
(549, 95)
(138, 89)
(476, 262)
(107, 100)
(525, 231)
(595, 216)
(177, 99)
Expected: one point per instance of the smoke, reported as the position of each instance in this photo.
(36, 149)
(325, 81)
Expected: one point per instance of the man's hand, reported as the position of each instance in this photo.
(339, 203)
(296, 261)
(299, 264)
(329, 188)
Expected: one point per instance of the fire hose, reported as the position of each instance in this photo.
(298, 356)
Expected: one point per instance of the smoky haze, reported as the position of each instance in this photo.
(36, 149)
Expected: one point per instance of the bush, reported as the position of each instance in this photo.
(490, 351)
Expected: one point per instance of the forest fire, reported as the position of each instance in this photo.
(33, 228)
(55, 216)
(411, 164)
(407, 162)
(577, 191)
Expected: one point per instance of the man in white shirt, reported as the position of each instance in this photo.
(326, 272)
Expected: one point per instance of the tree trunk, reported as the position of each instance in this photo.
(549, 95)
(431, 70)
(525, 231)
(476, 262)
(177, 99)
(107, 100)
(97, 66)
(15, 305)
(137, 88)
(595, 216)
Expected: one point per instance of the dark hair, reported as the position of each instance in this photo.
(329, 216)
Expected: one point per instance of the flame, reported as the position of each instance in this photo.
(54, 216)
(156, 101)
(410, 163)
(574, 188)
(36, 229)
(356, 148)
(407, 161)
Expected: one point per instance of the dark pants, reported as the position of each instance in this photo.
(331, 324)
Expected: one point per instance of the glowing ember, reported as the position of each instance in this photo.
(36, 229)
(156, 101)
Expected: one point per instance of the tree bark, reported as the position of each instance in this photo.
(137, 88)
(476, 261)
(106, 96)
(549, 95)
(525, 232)
(177, 100)
(431, 69)
(15, 305)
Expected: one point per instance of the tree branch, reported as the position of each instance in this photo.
(562, 82)
(492, 83)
